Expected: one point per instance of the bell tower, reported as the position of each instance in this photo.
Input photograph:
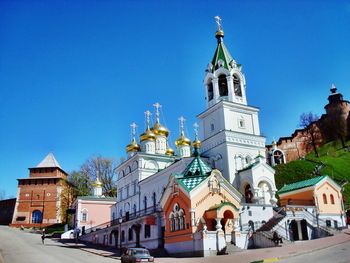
(229, 127)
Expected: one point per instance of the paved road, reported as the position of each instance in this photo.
(20, 247)
(335, 254)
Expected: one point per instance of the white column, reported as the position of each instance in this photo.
(193, 219)
(231, 93)
(218, 224)
(215, 89)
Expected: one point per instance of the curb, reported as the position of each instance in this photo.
(266, 260)
(97, 253)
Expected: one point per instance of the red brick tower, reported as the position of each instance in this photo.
(41, 197)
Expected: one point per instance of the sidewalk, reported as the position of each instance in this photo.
(100, 250)
(272, 254)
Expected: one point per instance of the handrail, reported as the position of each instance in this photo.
(144, 212)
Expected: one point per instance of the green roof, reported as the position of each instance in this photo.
(222, 53)
(218, 206)
(102, 198)
(197, 167)
(302, 184)
(189, 183)
(194, 174)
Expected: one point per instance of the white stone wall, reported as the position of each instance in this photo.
(255, 213)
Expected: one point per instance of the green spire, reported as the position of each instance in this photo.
(222, 55)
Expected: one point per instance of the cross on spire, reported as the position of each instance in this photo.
(157, 106)
(218, 22)
(133, 130)
(182, 123)
(147, 116)
(196, 126)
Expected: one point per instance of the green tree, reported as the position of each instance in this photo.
(82, 183)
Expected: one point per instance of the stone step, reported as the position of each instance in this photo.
(232, 249)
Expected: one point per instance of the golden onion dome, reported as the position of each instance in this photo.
(159, 129)
(182, 141)
(148, 135)
(169, 151)
(196, 143)
(133, 146)
(97, 183)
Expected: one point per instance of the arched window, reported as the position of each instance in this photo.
(123, 236)
(130, 234)
(84, 215)
(172, 223)
(237, 86)
(37, 217)
(332, 199)
(210, 91)
(154, 200)
(248, 194)
(177, 219)
(324, 199)
(145, 202)
(223, 89)
(278, 157)
(121, 213)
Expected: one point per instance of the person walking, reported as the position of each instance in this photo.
(43, 236)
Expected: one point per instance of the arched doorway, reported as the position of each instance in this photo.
(227, 225)
(293, 231)
(116, 237)
(248, 194)
(137, 229)
(303, 225)
(37, 217)
(264, 193)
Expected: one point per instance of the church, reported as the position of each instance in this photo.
(208, 193)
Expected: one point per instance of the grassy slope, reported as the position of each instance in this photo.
(337, 163)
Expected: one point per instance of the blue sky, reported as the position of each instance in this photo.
(75, 74)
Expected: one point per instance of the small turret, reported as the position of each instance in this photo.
(133, 147)
(183, 144)
(161, 133)
(97, 185)
(147, 139)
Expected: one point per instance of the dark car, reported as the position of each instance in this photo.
(132, 255)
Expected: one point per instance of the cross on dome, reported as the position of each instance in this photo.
(147, 116)
(157, 106)
(133, 129)
(196, 126)
(182, 123)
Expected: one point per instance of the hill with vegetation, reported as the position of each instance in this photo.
(333, 161)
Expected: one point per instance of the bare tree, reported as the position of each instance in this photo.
(105, 169)
(308, 121)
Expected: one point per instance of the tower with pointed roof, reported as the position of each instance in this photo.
(230, 131)
(43, 197)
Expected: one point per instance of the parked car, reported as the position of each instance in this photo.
(133, 255)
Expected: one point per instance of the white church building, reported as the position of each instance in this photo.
(227, 149)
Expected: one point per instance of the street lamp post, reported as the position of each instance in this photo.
(120, 229)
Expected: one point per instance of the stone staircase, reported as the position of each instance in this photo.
(230, 249)
(279, 215)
